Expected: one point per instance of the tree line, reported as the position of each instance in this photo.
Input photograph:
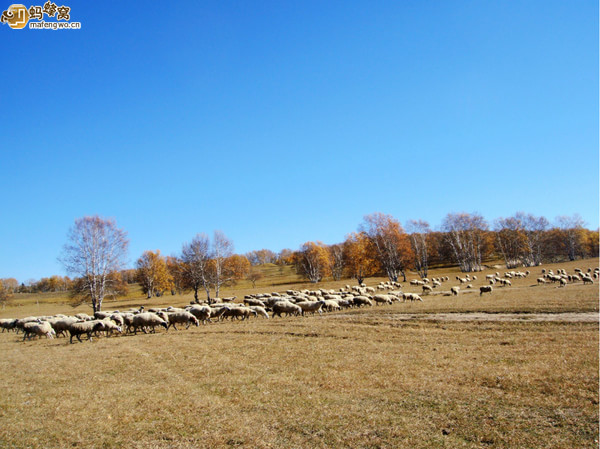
(96, 250)
(382, 246)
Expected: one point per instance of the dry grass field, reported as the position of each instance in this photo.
(515, 369)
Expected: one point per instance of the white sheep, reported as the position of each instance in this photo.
(147, 319)
(411, 297)
(286, 307)
(33, 328)
(330, 305)
(455, 291)
(183, 317)
(382, 299)
(8, 323)
(260, 311)
(563, 282)
(311, 306)
(360, 301)
(254, 302)
(239, 312)
(84, 327)
(202, 313)
(586, 278)
(110, 326)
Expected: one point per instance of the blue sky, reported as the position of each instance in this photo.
(283, 122)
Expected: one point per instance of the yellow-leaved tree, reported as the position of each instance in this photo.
(360, 259)
(152, 273)
(312, 261)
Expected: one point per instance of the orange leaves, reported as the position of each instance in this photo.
(153, 274)
(360, 256)
(312, 261)
(236, 266)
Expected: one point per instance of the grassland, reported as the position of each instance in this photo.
(385, 377)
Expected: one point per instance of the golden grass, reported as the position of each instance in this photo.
(358, 378)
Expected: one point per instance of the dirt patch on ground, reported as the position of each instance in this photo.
(587, 317)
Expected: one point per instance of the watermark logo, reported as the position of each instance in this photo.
(17, 17)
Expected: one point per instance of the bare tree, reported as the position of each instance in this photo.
(465, 235)
(95, 250)
(196, 256)
(535, 231)
(419, 232)
(254, 276)
(511, 240)
(571, 230)
(222, 248)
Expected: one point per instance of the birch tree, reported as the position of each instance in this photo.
(465, 234)
(535, 234)
(195, 256)
(95, 250)
(419, 231)
(571, 228)
(335, 257)
(312, 261)
(511, 240)
(222, 248)
(390, 242)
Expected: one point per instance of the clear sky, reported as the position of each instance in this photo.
(280, 122)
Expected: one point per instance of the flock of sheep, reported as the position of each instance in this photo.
(290, 303)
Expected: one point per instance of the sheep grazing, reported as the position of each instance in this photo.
(260, 311)
(427, 289)
(485, 289)
(385, 299)
(411, 297)
(147, 319)
(34, 328)
(254, 302)
(84, 327)
(541, 281)
(311, 306)
(202, 313)
(586, 278)
(8, 324)
(330, 305)
(239, 312)
(218, 312)
(455, 291)
(360, 301)
(181, 318)
(61, 325)
(563, 282)
(110, 326)
(286, 307)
